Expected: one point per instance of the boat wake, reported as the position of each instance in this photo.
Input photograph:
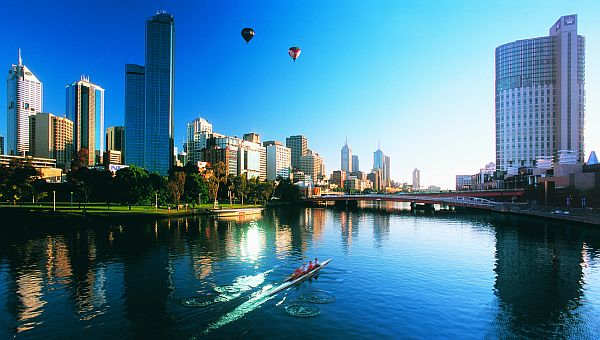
(254, 302)
(241, 285)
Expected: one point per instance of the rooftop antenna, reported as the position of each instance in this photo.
(20, 59)
(346, 140)
(378, 145)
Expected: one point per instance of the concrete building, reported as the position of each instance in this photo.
(51, 137)
(387, 176)
(376, 178)
(312, 165)
(346, 158)
(36, 162)
(279, 160)
(113, 157)
(85, 108)
(135, 123)
(159, 93)
(416, 179)
(197, 133)
(540, 97)
(355, 163)
(299, 146)
(24, 98)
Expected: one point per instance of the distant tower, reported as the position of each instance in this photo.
(135, 112)
(25, 98)
(346, 158)
(355, 164)
(416, 179)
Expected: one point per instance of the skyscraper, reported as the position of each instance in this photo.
(346, 158)
(355, 164)
(540, 97)
(1, 145)
(299, 146)
(134, 114)
(387, 176)
(378, 157)
(197, 133)
(85, 108)
(416, 179)
(51, 137)
(159, 82)
(24, 98)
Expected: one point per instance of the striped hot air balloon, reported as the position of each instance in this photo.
(294, 52)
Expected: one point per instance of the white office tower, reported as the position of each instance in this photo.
(24, 98)
(279, 161)
(540, 96)
(416, 179)
(197, 133)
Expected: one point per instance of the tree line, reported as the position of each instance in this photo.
(20, 183)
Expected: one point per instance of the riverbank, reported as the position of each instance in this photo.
(67, 212)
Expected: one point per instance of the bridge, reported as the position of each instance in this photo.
(468, 199)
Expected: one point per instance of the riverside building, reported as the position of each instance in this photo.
(159, 80)
(51, 137)
(279, 160)
(134, 114)
(85, 108)
(25, 98)
(299, 146)
(540, 97)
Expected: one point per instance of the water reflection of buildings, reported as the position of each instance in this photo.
(538, 279)
(381, 228)
(349, 228)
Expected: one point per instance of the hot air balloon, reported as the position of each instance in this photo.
(247, 34)
(294, 52)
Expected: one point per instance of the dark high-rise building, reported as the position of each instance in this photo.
(115, 138)
(540, 98)
(1, 145)
(134, 114)
(159, 82)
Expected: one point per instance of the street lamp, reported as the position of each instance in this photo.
(54, 200)
(155, 201)
(71, 198)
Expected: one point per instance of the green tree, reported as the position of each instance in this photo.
(240, 185)
(132, 185)
(16, 180)
(287, 191)
(196, 189)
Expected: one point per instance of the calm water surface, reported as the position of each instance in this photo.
(393, 275)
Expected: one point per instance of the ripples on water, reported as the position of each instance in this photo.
(393, 275)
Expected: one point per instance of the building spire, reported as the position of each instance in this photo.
(20, 59)
(346, 140)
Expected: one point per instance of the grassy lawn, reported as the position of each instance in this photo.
(102, 208)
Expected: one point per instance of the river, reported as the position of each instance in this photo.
(393, 275)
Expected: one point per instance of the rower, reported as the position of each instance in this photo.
(310, 266)
(316, 262)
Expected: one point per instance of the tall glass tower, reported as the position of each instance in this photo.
(540, 98)
(134, 114)
(159, 82)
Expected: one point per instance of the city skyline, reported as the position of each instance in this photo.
(476, 119)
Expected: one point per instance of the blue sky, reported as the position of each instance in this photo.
(419, 78)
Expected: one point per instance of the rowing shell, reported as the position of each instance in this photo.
(299, 279)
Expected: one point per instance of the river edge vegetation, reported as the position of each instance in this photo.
(134, 190)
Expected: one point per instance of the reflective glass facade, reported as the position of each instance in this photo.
(134, 114)
(159, 79)
(540, 97)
